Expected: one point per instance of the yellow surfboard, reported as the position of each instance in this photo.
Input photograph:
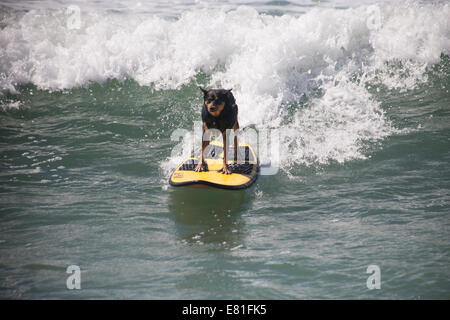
(244, 170)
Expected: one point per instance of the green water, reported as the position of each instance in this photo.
(81, 183)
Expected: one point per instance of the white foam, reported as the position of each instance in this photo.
(6, 105)
(334, 127)
(264, 55)
(413, 33)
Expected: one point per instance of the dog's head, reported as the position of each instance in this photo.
(215, 100)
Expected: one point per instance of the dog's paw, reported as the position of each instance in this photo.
(200, 167)
(225, 170)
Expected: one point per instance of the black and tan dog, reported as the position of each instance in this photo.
(220, 112)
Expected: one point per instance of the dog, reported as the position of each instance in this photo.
(219, 111)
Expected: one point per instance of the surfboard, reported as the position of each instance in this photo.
(244, 170)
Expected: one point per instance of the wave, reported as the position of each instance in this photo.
(306, 74)
(265, 54)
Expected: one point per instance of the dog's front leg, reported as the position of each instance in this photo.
(225, 169)
(201, 164)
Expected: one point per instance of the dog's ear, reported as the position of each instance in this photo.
(204, 92)
(230, 96)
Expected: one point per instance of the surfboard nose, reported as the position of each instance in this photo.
(244, 170)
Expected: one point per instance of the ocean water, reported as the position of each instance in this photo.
(99, 103)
